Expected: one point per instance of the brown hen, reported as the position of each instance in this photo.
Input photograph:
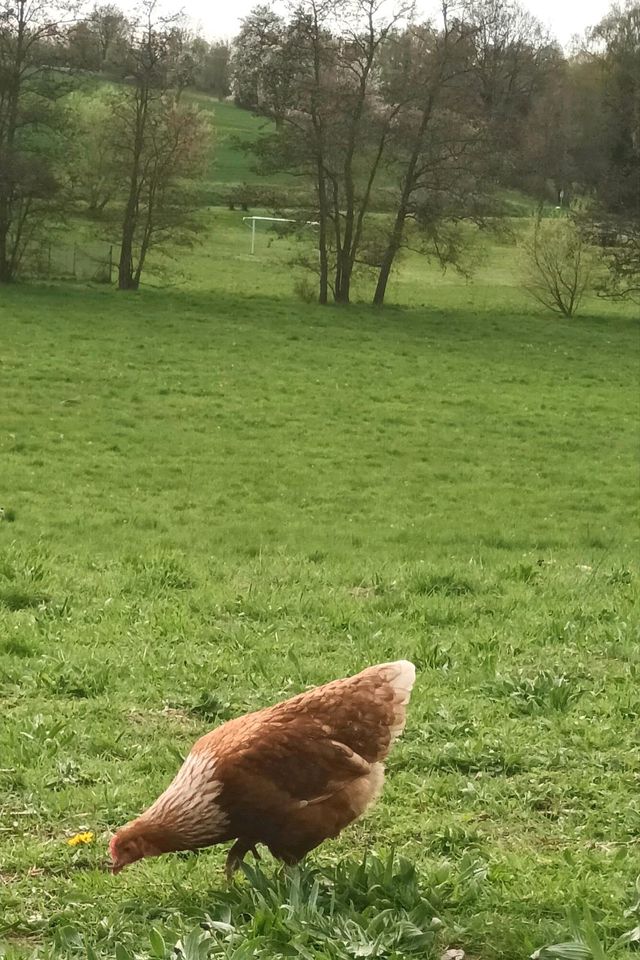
(288, 776)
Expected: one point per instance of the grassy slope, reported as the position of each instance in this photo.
(229, 163)
(221, 499)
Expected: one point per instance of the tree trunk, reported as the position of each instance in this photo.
(343, 278)
(144, 246)
(383, 276)
(408, 186)
(323, 199)
(389, 255)
(343, 286)
(323, 294)
(395, 239)
(126, 280)
(7, 141)
(126, 276)
(6, 273)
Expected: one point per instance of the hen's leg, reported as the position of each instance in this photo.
(236, 856)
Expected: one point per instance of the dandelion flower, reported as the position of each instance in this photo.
(81, 838)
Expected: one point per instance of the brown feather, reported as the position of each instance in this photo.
(288, 776)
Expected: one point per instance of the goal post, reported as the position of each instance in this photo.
(308, 223)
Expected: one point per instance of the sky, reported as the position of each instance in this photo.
(563, 18)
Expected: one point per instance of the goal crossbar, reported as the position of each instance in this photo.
(307, 223)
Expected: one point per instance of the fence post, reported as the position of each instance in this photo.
(110, 262)
(73, 268)
(49, 260)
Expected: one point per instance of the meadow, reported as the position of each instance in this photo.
(214, 496)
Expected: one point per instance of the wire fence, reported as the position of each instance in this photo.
(55, 261)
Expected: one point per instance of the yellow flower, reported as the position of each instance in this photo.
(79, 838)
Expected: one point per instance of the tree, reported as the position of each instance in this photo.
(98, 41)
(176, 142)
(94, 173)
(358, 131)
(513, 62)
(110, 28)
(263, 64)
(336, 126)
(619, 241)
(558, 264)
(181, 56)
(162, 143)
(83, 50)
(214, 70)
(260, 33)
(31, 122)
(438, 147)
(614, 221)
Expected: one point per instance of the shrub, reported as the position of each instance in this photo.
(305, 290)
(558, 265)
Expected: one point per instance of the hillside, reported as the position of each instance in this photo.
(230, 164)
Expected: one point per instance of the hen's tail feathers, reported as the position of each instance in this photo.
(401, 676)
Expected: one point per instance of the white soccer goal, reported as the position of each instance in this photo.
(308, 223)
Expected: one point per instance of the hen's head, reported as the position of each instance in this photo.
(132, 843)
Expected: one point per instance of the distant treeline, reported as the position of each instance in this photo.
(371, 110)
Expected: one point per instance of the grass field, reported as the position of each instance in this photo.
(217, 500)
(230, 164)
(215, 496)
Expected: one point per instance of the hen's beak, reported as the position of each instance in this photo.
(116, 867)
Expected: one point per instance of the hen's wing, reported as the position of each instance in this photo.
(304, 750)
(365, 712)
(296, 760)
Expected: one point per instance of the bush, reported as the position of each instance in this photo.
(305, 290)
(558, 265)
(248, 196)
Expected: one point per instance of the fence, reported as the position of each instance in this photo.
(56, 261)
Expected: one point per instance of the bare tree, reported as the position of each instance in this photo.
(30, 91)
(439, 144)
(367, 123)
(337, 126)
(468, 87)
(110, 27)
(513, 60)
(177, 139)
(613, 222)
(162, 142)
(558, 265)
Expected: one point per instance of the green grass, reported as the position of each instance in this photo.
(214, 498)
(230, 164)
